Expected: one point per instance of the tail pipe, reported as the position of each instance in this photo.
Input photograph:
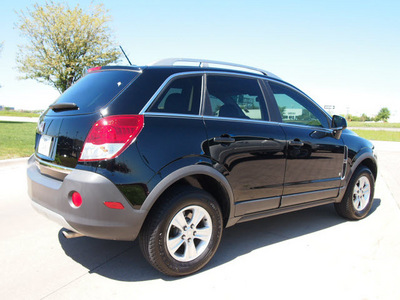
(69, 234)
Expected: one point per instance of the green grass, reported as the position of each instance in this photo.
(373, 124)
(379, 135)
(16, 139)
(13, 113)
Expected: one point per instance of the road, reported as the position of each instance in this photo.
(375, 128)
(19, 119)
(311, 254)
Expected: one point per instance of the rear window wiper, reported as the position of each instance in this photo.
(63, 106)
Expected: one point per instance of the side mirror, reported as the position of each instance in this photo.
(338, 121)
(338, 124)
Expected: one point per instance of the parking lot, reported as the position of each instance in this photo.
(311, 254)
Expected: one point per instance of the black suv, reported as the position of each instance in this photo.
(174, 152)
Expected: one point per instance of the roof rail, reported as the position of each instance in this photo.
(204, 63)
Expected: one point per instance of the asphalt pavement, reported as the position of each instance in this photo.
(19, 119)
(310, 254)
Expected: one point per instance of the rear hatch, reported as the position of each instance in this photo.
(64, 126)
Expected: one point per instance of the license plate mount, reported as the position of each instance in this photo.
(45, 145)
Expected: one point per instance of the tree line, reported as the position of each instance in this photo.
(383, 115)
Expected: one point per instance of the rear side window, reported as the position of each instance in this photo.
(95, 90)
(181, 96)
(234, 97)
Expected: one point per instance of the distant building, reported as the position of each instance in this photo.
(292, 113)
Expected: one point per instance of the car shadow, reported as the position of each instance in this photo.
(124, 261)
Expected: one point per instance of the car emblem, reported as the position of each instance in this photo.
(41, 126)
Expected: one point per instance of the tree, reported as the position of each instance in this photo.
(282, 110)
(383, 114)
(62, 42)
(364, 117)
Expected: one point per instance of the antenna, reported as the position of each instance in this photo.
(126, 56)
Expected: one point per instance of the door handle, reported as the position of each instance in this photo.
(297, 143)
(224, 140)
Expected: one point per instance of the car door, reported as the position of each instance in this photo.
(243, 145)
(176, 109)
(314, 157)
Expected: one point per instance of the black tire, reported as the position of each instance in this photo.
(351, 207)
(166, 243)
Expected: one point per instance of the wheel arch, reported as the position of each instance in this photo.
(365, 158)
(200, 176)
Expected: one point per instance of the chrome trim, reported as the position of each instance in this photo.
(171, 115)
(215, 118)
(204, 81)
(306, 126)
(61, 169)
(204, 63)
(162, 86)
(301, 92)
(256, 77)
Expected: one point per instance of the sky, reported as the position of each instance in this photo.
(341, 53)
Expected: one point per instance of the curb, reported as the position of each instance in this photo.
(13, 162)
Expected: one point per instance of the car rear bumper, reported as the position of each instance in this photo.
(52, 198)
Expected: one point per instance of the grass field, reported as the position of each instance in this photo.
(12, 113)
(379, 135)
(16, 139)
(373, 124)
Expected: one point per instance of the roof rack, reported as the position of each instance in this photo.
(204, 63)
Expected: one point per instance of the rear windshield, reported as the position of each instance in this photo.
(94, 91)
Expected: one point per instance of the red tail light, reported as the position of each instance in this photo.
(94, 69)
(110, 136)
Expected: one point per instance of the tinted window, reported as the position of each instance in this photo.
(95, 90)
(181, 96)
(295, 108)
(234, 97)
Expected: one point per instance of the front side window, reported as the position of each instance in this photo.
(295, 108)
(234, 97)
(181, 96)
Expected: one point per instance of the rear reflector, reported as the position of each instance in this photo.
(114, 205)
(76, 199)
(110, 136)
